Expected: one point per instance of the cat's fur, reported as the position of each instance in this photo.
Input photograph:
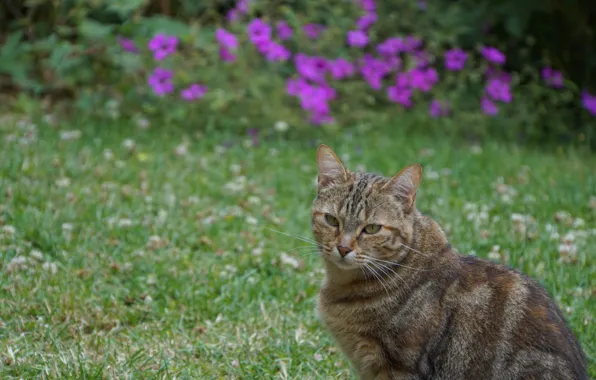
(426, 312)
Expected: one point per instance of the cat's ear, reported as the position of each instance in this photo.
(404, 184)
(331, 170)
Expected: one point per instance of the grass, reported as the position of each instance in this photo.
(157, 261)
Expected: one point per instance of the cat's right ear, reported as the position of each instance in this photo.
(331, 170)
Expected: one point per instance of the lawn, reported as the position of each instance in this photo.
(131, 253)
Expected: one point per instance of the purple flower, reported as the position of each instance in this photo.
(357, 38)
(436, 109)
(233, 15)
(554, 78)
(193, 92)
(589, 102)
(315, 100)
(258, 31)
(391, 46)
(313, 30)
(162, 46)
(412, 43)
(373, 70)
(296, 86)
(161, 81)
(226, 55)
(422, 58)
(284, 31)
(423, 79)
(455, 59)
(127, 45)
(311, 68)
(226, 39)
(493, 55)
(242, 6)
(366, 21)
(367, 5)
(422, 5)
(341, 68)
(498, 90)
(400, 95)
(274, 51)
(488, 106)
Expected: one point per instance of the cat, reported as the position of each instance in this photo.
(401, 303)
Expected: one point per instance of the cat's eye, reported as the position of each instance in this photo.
(372, 229)
(331, 220)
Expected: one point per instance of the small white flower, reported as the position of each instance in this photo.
(254, 200)
(273, 152)
(281, 126)
(123, 223)
(142, 123)
(108, 154)
(252, 220)
(129, 144)
(50, 267)
(579, 223)
(476, 149)
(181, 150)
(289, 260)
(235, 169)
(148, 299)
(70, 135)
(63, 182)
(36, 254)
(318, 357)
(431, 175)
(9, 230)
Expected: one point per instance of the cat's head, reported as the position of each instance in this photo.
(357, 217)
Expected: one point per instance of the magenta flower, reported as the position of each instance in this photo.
(193, 92)
(233, 15)
(589, 102)
(366, 21)
(258, 31)
(400, 95)
(315, 100)
(391, 46)
(313, 31)
(412, 43)
(554, 78)
(127, 45)
(367, 5)
(162, 46)
(161, 81)
(488, 106)
(373, 70)
(436, 109)
(341, 68)
(423, 79)
(357, 38)
(226, 39)
(498, 90)
(493, 55)
(296, 86)
(274, 51)
(284, 31)
(226, 55)
(455, 59)
(311, 68)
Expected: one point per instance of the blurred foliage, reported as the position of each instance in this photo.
(69, 49)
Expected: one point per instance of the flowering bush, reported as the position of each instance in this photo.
(317, 63)
(326, 67)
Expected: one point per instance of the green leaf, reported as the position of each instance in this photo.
(163, 24)
(94, 30)
(125, 8)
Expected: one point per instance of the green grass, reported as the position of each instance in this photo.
(164, 266)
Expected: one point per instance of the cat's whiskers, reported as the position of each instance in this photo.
(376, 275)
(413, 250)
(395, 264)
(298, 237)
(391, 270)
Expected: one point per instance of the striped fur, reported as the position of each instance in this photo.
(425, 311)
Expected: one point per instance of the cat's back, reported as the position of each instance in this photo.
(505, 324)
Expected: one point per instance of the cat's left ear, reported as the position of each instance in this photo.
(404, 184)
(331, 170)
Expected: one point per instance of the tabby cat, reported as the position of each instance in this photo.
(401, 303)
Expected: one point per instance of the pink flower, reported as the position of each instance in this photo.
(493, 55)
(161, 81)
(366, 21)
(357, 38)
(284, 31)
(258, 31)
(313, 30)
(226, 39)
(195, 91)
(455, 59)
(163, 46)
(488, 106)
(399, 95)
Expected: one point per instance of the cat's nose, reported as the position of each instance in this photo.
(343, 250)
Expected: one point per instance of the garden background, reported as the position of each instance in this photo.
(153, 151)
